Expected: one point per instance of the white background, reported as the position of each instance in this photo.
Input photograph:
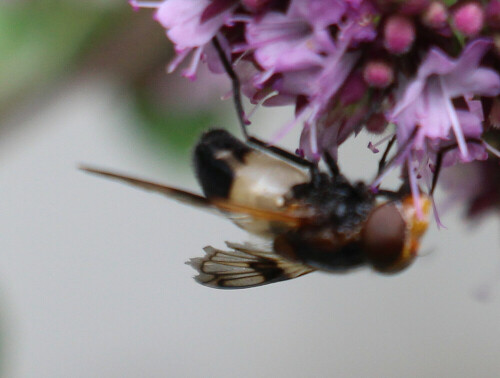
(93, 281)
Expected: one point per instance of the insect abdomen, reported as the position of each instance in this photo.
(214, 158)
(229, 169)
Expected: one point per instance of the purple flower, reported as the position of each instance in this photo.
(193, 23)
(296, 40)
(330, 133)
(426, 102)
(190, 25)
(333, 125)
(349, 64)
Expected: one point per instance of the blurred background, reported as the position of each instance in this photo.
(92, 274)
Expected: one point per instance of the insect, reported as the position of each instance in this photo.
(312, 220)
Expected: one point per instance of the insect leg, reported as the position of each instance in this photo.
(235, 82)
(383, 160)
(398, 155)
(287, 155)
(332, 164)
(390, 194)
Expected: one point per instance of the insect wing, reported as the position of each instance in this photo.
(244, 266)
(233, 210)
(174, 193)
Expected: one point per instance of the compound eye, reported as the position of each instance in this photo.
(383, 238)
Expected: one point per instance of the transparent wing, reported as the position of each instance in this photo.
(176, 194)
(239, 211)
(244, 266)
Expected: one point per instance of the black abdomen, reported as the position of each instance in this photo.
(212, 161)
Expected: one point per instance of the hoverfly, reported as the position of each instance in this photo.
(313, 221)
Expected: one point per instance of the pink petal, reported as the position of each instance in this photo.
(182, 19)
(436, 62)
(470, 124)
(472, 54)
(411, 93)
(484, 82)
(320, 13)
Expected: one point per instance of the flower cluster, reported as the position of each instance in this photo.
(428, 69)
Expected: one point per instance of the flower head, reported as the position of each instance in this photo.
(426, 69)
(191, 25)
(426, 102)
(294, 40)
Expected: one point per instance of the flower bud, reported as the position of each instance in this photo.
(353, 90)
(399, 34)
(378, 73)
(469, 19)
(435, 15)
(376, 124)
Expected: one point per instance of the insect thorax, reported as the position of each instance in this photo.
(336, 201)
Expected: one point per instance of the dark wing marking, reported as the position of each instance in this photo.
(243, 267)
(290, 219)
